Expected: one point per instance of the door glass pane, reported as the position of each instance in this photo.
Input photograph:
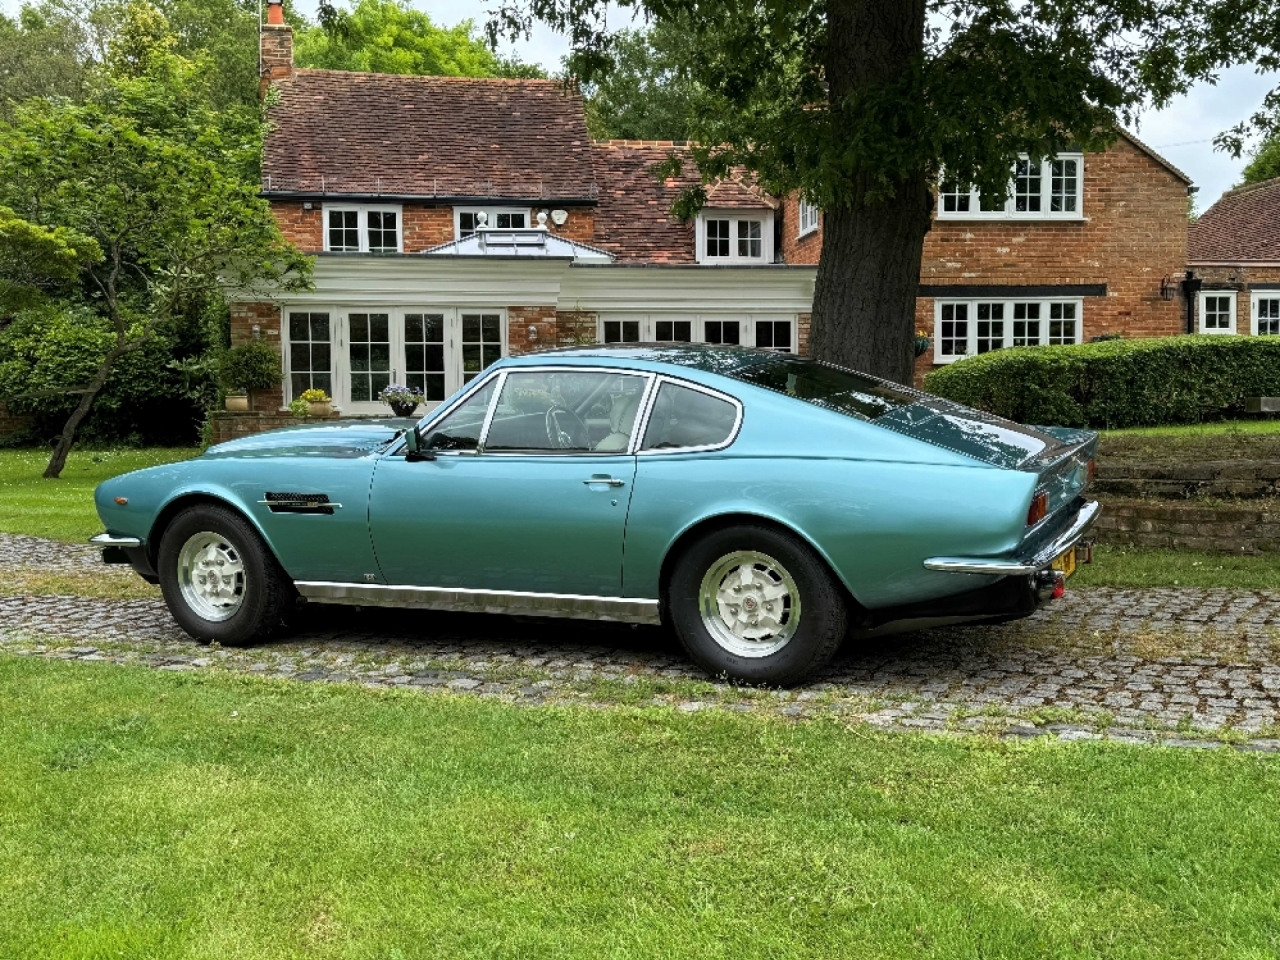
(774, 335)
(309, 353)
(622, 331)
(722, 331)
(673, 331)
(370, 354)
(558, 412)
(688, 418)
(460, 430)
(424, 354)
(481, 342)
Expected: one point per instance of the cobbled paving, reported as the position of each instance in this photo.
(1179, 667)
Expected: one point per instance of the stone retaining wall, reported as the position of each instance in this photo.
(229, 426)
(1247, 528)
(1183, 480)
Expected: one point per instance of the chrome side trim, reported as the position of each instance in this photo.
(573, 606)
(1017, 566)
(111, 540)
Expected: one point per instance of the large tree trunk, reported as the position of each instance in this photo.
(87, 396)
(865, 298)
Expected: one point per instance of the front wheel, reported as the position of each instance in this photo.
(219, 580)
(756, 605)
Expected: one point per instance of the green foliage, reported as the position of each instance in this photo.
(147, 399)
(1264, 162)
(250, 366)
(647, 93)
(1119, 383)
(390, 36)
(35, 258)
(45, 52)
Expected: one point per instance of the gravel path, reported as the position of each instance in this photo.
(1185, 667)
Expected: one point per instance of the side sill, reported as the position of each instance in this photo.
(457, 599)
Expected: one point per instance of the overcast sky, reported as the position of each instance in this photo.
(1183, 132)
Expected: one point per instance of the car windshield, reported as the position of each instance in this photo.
(833, 388)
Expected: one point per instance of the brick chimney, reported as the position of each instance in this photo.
(276, 48)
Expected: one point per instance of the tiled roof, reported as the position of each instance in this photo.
(1242, 227)
(633, 219)
(368, 134)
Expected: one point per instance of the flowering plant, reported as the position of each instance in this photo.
(314, 396)
(402, 400)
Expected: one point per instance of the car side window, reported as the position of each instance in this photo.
(460, 430)
(688, 418)
(565, 411)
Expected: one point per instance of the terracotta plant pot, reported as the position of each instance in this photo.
(237, 402)
(403, 409)
(320, 408)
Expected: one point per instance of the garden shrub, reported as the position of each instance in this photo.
(1117, 383)
(150, 397)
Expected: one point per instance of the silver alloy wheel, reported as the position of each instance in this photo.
(750, 604)
(211, 576)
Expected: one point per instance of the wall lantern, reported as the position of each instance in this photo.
(1168, 288)
(533, 333)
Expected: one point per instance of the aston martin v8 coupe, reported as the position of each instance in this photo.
(762, 505)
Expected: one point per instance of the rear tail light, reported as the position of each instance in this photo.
(1091, 470)
(1039, 509)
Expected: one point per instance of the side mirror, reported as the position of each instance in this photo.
(413, 452)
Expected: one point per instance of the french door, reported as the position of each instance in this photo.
(434, 350)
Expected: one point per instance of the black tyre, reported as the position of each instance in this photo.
(756, 605)
(219, 580)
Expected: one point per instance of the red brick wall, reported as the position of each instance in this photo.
(1240, 278)
(580, 226)
(795, 249)
(266, 316)
(802, 333)
(519, 322)
(303, 228)
(426, 227)
(276, 45)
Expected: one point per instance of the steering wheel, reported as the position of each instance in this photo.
(566, 431)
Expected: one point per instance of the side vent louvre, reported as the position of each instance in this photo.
(300, 503)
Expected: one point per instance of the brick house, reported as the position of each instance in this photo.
(457, 220)
(1234, 251)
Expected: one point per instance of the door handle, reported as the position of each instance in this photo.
(607, 481)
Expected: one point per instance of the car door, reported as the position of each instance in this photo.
(528, 490)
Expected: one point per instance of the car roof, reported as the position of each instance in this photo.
(703, 357)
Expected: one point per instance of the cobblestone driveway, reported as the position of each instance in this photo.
(1185, 667)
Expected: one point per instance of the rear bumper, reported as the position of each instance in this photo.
(1028, 564)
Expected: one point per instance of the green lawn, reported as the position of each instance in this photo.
(1116, 566)
(62, 509)
(1215, 428)
(145, 814)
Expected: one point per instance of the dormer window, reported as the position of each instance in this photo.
(361, 229)
(467, 219)
(736, 236)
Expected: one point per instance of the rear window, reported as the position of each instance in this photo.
(833, 388)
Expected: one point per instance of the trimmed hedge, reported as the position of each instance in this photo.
(1117, 383)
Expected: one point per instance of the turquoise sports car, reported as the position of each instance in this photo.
(762, 505)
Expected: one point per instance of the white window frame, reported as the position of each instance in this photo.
(1204, 296)
(698, 325)
(734, 216)
(492, 213)
(809, 217)
(362, 224)
(340, 356)
(1009, 211)
(1255, 299)
(971, 337)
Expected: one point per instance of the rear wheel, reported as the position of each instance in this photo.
(757, 605)
(219, 580)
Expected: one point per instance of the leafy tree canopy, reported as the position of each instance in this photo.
(861, 104)
(647, 92)
(1264, 162)
(154, 177)
(35, 259)
(390, 36)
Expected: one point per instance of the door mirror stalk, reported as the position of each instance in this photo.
(413, 451)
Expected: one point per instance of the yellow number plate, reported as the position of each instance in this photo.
(1066, 563)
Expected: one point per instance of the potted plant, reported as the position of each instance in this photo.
(402, 400)
(250, 366)
(319, 404)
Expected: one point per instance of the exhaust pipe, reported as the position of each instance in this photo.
(1049, 585)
